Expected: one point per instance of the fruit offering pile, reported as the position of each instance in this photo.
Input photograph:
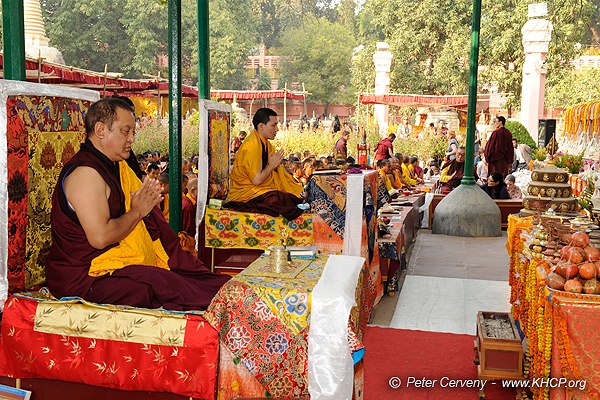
(578, 267)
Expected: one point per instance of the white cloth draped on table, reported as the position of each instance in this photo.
(330, 364)
(354, 214)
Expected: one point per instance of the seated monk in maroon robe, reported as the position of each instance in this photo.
(453, 172)
(258, 182)
(499, 151)
(110, 241)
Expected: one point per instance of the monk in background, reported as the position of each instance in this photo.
(110, 241)
(453, 172)
(499, 152)
(258, 182)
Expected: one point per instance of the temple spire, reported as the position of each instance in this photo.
(36, 41)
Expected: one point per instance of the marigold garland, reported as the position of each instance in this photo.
(582, 115)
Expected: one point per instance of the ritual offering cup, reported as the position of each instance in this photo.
(279, 258)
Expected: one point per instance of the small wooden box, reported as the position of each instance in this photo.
(498, 348)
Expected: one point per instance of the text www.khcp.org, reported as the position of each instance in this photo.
(544, 382)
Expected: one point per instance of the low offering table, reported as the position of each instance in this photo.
(263, 320)
(562, 328)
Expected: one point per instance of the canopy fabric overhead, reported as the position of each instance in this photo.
(417, 100)
(256, 94)
(46, 72)
(111, 83)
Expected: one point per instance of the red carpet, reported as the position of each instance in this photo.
(405, 353)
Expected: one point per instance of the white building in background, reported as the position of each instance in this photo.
(586, 61)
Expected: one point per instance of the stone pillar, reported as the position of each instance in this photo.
(383, 62)
(36, 41)
(536, 38)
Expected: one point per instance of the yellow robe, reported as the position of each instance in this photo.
(406, 175)
(445, 175)
(137, 248)
(165, 211)
(386, 179)
(397, 179)
(248, 161)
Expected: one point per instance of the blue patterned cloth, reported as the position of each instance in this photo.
(323, 205)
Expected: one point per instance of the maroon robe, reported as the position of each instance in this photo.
(341, 148)
(273, 203)
(188, 285)
(459, 168)
(499, 152)
(382, 151)
(188, 213)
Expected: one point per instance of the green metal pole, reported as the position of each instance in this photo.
(175, 114)
(14, 39)
(203, 51)
(468, 178)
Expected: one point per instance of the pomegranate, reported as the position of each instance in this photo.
(564, 252)
(580, 239)
(575, 255)
(567, 270)
(591, 286)
(592, 253)
(555, 281)
(573, 286)
(587, 270)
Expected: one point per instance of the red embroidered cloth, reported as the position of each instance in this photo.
(188, 369)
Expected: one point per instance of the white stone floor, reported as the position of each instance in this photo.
(447, 304)
(449, 279)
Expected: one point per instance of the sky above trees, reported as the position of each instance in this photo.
(429, 40)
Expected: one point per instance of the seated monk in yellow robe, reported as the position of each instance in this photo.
(453, 172)
(383, 168)
(258, 182)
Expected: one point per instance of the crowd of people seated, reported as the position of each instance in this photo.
(156, 166)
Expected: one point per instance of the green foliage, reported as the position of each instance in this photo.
(573, 87)
(520, 133)
(264, 80)
(319, 55)
(155, 136)
(539, 154)
(425, 149)
(363, 70)
(428, 43)
(130, 35)
(573, 163)
(232, 39)
(87, 37)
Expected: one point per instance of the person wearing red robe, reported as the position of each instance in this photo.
(91, 215)
(341, 146)
(385, 148)
(188, 208)
(499, 152)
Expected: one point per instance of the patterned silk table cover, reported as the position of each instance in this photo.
(117, 347)
(240, 230)
(327, 198)
(263, 326)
